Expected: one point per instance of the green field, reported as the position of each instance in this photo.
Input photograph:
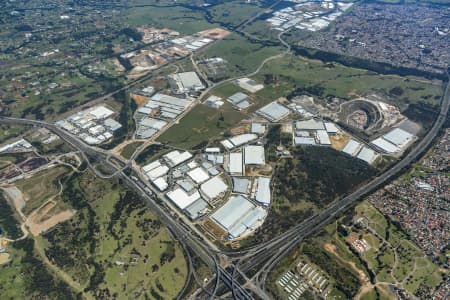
(295, 75)
(233, 13)
(181, 19)
(115, 244)
(129, 149)
(200, 125)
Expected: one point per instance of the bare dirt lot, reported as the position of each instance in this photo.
(42, 218)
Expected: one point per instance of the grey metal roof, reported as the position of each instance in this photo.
(274, 111)
(240, 185)
(196, 209)
(237, 98)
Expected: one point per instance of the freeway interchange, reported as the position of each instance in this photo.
(231, 268)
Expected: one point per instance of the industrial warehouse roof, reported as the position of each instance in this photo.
(399, 137)
(368, 155)
(157, 172)
(196, 209)
(258, 128)
(352, 148)
(322, 137)
(242, 139)
(274, 111)
(112, 124)
(384, 145)
(254, 155)
(151, 166)
(304, 141)
(153, 123)
(187, 81)
(160, 183)
(198, 175)
(331, 127)
(309, 125)
(166, 100)
(238, 215)
(213, 187)
(237, 98)
(263, 194)
(176, 157)
(241, 185)
(235, 164)
(100, 112)
(181, 198)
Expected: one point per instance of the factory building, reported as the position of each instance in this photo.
(352, 148)
(309, 125)
(263, 194)
(186, 82)
(238, 216)
(213, 188)
(254, 156)
(239, 140)
(235, 165)
(239, 100)
(368, 155)
(274, 111)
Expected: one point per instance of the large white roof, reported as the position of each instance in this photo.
(151, 166)
(263, 194)
(242, 139)
(399, 137)
(176, 157)
(254, 155)
(385, 146)
(274, 111)
(238, 215)
(181, 199)
(198, 175)
(214, 187)
(368, 155)
(352, 148)
(331, 127)
(309, 125)
(235, 164)
(157, 172)
(160, 183)
(101, 112)
(322, 137)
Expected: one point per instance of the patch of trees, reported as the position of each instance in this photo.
(351, 61)
(39, 283)
(422, 113)
(150, 151)
(8, 222)
(127, 203)
(319, 174)
(346, 281)
(132, 33)
(169, 253)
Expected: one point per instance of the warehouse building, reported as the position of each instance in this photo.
(239, 100)
(235, 165)
(322, 138)
(263, 194)
(213, 188)
(384, 146)
(196, 209)
(239, 140)
(399, 137)
(238, 216)
(186, 82)
(182, 199)
(241, 185)
(254, 156)
(198, 175)
(258, 128)
(309, 125)
(368, 155)
(331, 128)
(352, 148)
(176, 157)
(304, 141)
(274, 111)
